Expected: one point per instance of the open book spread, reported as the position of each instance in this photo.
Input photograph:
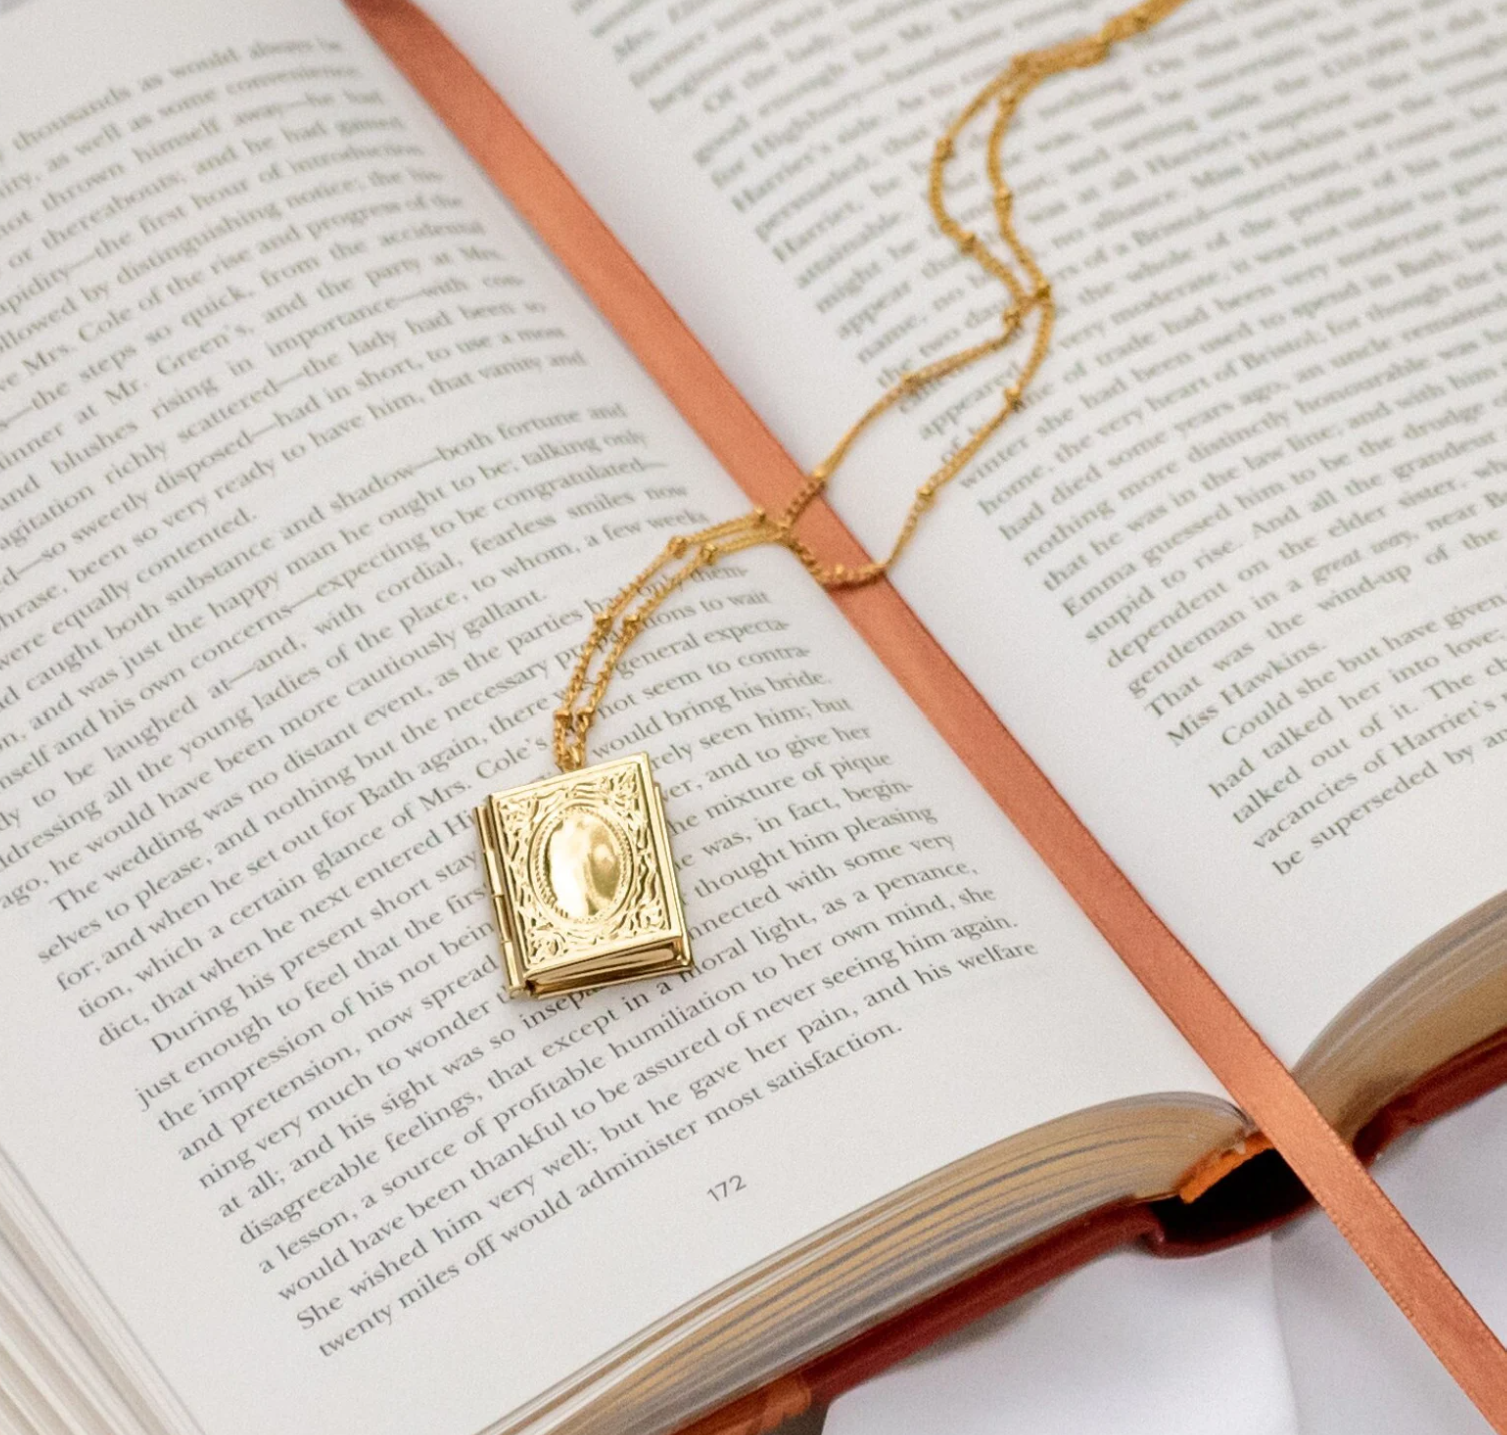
(313, 470)
(1238, 587)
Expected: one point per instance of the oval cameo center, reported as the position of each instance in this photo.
(583, 862)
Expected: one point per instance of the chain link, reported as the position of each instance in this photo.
(1030, 293)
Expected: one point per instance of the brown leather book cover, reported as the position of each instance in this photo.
(1258, 1196)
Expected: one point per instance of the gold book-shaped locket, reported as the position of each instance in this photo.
(581, 879)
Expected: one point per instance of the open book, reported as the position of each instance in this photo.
(312, 465)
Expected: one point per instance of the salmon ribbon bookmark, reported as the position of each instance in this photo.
(708, 401)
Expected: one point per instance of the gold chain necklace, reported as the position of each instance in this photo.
(578, 866)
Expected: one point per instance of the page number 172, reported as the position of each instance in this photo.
(721, 1190)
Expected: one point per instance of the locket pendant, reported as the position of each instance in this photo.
(581, 879)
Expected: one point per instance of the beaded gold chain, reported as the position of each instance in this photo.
(1029, 293)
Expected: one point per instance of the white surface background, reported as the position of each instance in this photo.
(1286, 1335)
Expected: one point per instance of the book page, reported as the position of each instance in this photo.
(312, 472)
(1235, 576)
